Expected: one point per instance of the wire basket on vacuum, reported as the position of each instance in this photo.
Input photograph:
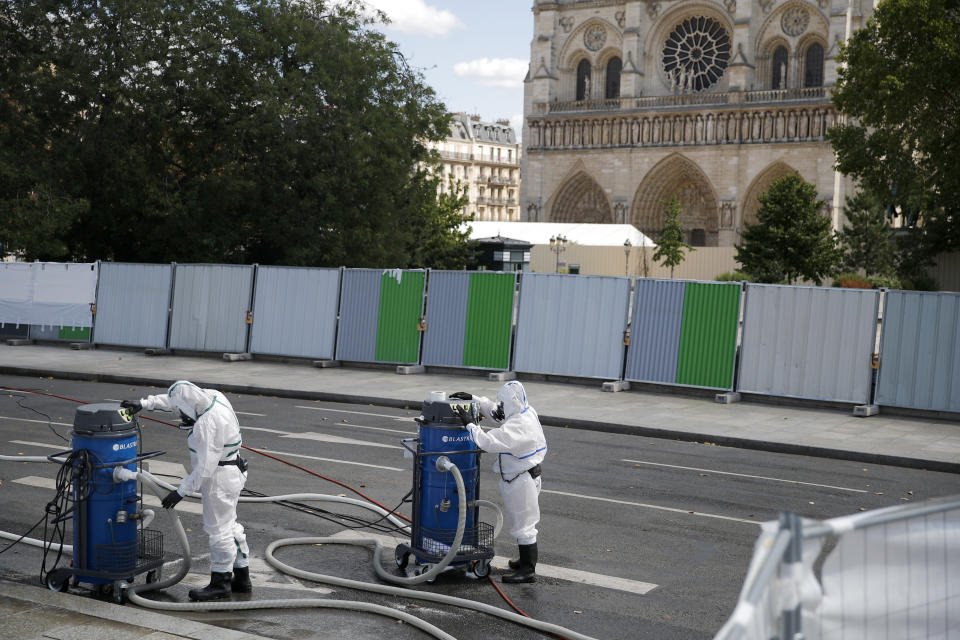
(129, 555)
(477, 542)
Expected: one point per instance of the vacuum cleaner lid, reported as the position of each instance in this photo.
(102, 417)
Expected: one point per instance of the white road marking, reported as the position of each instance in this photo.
(264, 429)
(546, 570)
(248, 413)
(359, 413)
(744, 475)
(356, 464)
(322, 437)
(162, 468)
(39, 444)
(650, 506)
(56, 424)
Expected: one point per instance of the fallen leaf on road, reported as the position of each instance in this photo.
(862, 509)
(909, 493)
(811, 502)
(577, 612)
(704, 475)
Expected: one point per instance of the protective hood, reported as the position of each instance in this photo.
(189, 399)
(513, 397)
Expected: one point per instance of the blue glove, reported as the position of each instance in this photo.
(171, 499)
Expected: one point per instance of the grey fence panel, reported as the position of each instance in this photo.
(359, 315)
(447, 298)
(295, 312)
(808, 342)
(571, 325)
(132, 304)
(210, 304)
(655, 330)
(920, 351)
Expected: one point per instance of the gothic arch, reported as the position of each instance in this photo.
(759, 186)
(574, 50)
(580, 199)
(677, 176)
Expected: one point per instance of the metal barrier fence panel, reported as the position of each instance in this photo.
(469, 319)
(401, 306)
(920, 351)
(448, 293)
(708, 341)
(295, 312)
(359, 311)
(571, 325)
(683, 333)
(48, 294)
(489, 320)
(210, 304)
(655, 330)
(808, 342)
(132, 304)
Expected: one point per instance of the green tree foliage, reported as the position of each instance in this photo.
(670, 245)
(239, 131)
(791, 238)
(899, 88)
(867, 238)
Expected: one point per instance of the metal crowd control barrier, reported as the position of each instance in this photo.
(888, 574)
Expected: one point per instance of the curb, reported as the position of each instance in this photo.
(172, 627)
(549, 420)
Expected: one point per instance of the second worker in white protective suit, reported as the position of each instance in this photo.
(218, 473)
(520, 446)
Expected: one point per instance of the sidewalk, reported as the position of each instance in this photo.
(826, 432)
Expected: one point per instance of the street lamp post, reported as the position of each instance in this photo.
(626, 254)
(558, 244)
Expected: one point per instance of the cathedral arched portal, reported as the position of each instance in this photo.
(760, 185)
(677, 176)
(581, 199)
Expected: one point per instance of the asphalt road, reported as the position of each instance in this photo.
(639, 538)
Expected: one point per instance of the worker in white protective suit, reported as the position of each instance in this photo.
(520, 447)
(217, 472)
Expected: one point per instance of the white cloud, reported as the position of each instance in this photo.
(417, 17)
(496, 72)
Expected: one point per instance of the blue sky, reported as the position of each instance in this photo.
(474, 53)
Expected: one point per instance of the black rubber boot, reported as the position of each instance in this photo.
(241, 580)
(219, 587)
(526, 566)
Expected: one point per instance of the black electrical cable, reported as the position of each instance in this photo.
(336, 518)
(39, 413)
(74, 485)
(20, 539)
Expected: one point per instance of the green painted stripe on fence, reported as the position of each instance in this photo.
(74, 333)
(708, 338)
(401, 302)
(486, 341)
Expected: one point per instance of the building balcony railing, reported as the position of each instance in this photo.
(804, 94)
(496, 180)
(509, 202)
(456, 155)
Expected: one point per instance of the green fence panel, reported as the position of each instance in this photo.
(401, 303)
(74, 333)
(708, 339)
(489, 320)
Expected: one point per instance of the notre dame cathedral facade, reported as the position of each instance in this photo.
(628, 103)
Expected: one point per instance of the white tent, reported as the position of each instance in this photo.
(594, 235)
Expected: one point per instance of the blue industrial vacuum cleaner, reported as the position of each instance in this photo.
(434, 493)
(109, 544)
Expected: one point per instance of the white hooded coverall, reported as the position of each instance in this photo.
(215, 437)
(520, 445)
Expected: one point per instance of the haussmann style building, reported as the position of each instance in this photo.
(628, 103)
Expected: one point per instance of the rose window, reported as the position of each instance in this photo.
(696, 54)
(794, 21)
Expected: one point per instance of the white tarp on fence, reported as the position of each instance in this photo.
(47, 293)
